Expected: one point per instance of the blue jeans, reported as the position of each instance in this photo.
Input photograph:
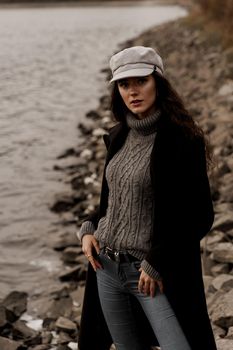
(116, 281)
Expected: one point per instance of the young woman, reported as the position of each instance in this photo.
(144, 284)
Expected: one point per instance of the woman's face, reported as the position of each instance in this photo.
(138, 94)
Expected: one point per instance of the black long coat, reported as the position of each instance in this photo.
(183, 215)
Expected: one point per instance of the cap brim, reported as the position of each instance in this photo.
(139, 72)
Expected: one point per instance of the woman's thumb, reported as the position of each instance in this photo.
(96, 246)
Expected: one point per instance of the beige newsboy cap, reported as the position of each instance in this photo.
(135, 61)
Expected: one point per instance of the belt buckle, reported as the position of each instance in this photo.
(117, 256)
(107, 252)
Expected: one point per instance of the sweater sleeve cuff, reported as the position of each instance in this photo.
(86, 228)
(150, 270)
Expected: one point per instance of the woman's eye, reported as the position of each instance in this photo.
(123, 84)
(142, 81)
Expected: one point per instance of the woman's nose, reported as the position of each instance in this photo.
(133, 91)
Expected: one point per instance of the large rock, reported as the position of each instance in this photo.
(15, 304)
(222, 310)
(223, 253)
(64, 240)
(77, 273)
(71, 254)
(60, 307)
(21, 331)
(223, 281)
(224, 222)
(230, 333)
(8, 344)
(66, 325)
(226, 89)
(207, 282)
(220, 268)
(226, 189)
(218, 332)
(64, 338)
(211, 241)
(224, 344)
(63, 202)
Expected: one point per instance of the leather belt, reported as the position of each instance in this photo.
(118, 255)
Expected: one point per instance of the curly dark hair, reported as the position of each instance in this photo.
(171, 106)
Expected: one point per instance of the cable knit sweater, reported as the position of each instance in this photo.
(128, 223)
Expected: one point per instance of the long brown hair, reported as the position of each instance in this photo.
(171, 106)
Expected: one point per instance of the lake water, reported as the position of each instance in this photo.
(50, 62)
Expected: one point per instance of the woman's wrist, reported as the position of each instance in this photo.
(86, 228)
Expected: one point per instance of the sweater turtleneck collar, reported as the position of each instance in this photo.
(143, 126)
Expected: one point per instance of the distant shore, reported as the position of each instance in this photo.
(72, 3)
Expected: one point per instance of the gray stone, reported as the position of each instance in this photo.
(207, 282)
(73, 346)
(223, 253)
(60, 307)
(224, 344)
(85, 129)
(15, 304)
(46, 337)
(211, 241)
(230, 333)
(222, 169)
(64, 240)
(222, 281)
(93, 115)
(226, 89)
(8, 344)
(76, 273)
(63, 202)
(64, 338)
(224, 222)
(67, 153)
(87, 154)
(230, 233)
(215, 237)
(66, 325)
(99, 132)
(207, 264)
(60, 292)
(226, 189)
(222, 310)
(218, 331)
(71, 254)
(21, 331)
(220, 268)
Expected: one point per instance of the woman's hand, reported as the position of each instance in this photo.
(148, 285)
(90, 244)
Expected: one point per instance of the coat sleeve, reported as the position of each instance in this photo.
(201, 212)
(185, 211)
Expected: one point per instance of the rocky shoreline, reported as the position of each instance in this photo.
(202, 72)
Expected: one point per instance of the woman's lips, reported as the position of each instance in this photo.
(136, 102)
